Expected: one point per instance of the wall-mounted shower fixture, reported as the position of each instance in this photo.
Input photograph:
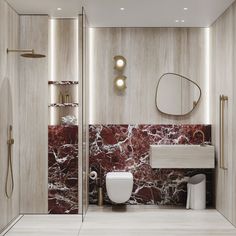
(10, 142)
(28, 53)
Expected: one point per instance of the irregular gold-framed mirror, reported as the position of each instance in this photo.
(176, 95)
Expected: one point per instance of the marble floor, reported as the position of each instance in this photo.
(46, 225)
(150, 221)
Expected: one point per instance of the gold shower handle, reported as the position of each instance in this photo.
(10, 140)
(223, 99)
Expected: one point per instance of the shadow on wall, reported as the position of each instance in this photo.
(126, 148)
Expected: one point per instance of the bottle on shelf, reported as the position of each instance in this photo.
(61, 98)
(67, 98)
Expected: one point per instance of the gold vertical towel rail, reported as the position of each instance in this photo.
(223, 99)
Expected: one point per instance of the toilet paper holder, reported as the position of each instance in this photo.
(93, 175)
(97, 177)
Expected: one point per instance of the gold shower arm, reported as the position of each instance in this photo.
(222, 137)
(29, 53)
(20, 50)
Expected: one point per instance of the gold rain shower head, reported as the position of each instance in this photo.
(28, 53)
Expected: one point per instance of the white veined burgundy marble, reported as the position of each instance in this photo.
(63, 192)
(126, 147)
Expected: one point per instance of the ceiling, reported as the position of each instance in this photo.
(136, 13)
(70, 8)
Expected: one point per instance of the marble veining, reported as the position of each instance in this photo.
(63, 169)
(127, 147)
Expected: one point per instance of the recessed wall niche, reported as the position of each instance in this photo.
(63, 102)
(63, 83)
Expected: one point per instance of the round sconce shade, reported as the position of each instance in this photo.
(120, 83)
(120, 63)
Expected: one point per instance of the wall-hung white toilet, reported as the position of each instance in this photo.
(119, 186)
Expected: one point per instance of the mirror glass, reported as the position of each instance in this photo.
(176, 95)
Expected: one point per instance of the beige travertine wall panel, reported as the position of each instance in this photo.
(150, 52)
(9, 113)
(234, 117)
(223, 74)
(65, 33)
(34, 116)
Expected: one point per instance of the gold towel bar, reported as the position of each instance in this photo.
(223, 99)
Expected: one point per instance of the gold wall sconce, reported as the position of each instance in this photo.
(120, 83)
(119, 65)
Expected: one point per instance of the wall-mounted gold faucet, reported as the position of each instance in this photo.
(10, 142)
(203, 136)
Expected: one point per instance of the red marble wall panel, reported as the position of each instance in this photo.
(63, 169)
(126, 148)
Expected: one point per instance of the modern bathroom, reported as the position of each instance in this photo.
(116, 117)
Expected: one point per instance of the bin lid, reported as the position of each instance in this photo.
(196, 179)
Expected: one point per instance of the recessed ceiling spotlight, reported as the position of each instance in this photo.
(177, 21)
(59, 8)
(182, 21)
(122, 8)
(185, 8)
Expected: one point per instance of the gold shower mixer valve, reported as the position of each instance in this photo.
(10, 141)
